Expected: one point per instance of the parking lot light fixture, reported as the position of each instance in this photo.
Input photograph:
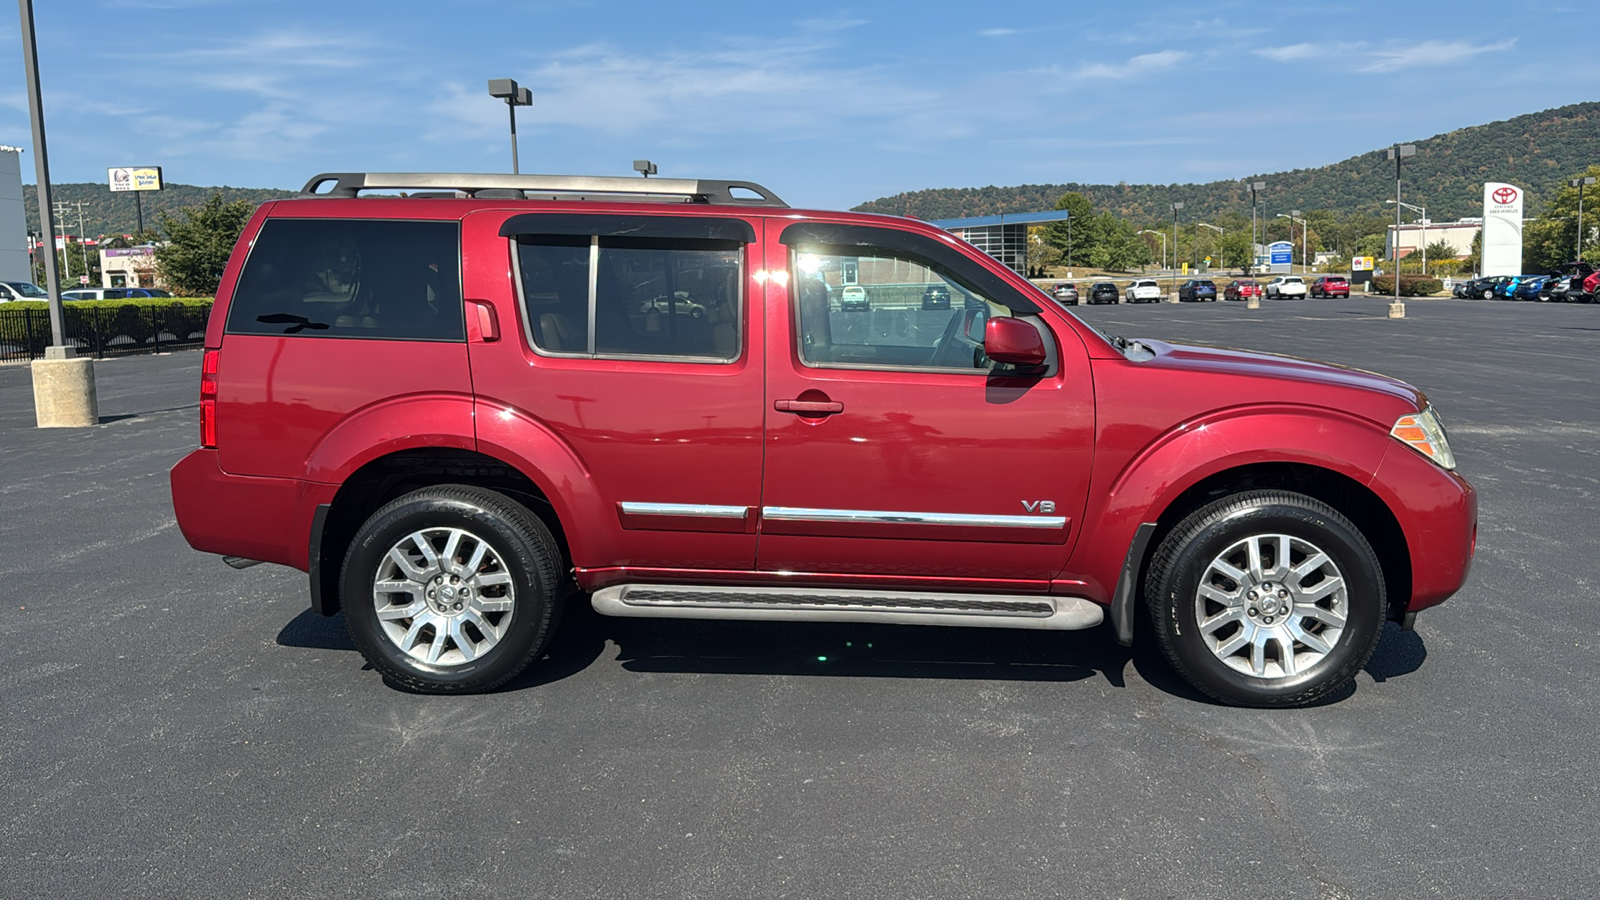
(1174, 276)
(644, 167)
(1423, 212)
(1579, 184)
(1398, 153)
(1255, 188)
(1219, 240)
(507, 89)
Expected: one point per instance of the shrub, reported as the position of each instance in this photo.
(1410, 285)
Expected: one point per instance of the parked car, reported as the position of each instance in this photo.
(1197, 290)
(1506, 287)
(1557, 289)
(1331, 286)
(681, 304)
(1066, 292)
(854, 297)
(1143, 290)
(936, 296)
(112, 293)
(1530, 287)
(1285, 287)
(1103, 292)
(1241, 289)
(453, 448)
(21, 290)
(1472, 289)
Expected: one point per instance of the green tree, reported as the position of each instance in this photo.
(1473, 261)
(1074, 238)
(198, 245)
(1551, 240)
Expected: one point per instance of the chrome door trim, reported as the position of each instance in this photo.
(696, 510)
(881, 517)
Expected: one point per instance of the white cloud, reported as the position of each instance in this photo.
(1133, 67)
(999, 32)
(1430, 53)
(1289, 53)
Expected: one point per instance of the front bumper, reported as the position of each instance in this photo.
(1438, 512)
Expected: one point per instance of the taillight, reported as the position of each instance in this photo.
(208, 399)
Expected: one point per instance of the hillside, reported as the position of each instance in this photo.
(1538, 151)
(105, 213)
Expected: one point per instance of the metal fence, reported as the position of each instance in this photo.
(103, 332)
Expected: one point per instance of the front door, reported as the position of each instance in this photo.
(896, 452)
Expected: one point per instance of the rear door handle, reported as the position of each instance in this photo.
(809, 407)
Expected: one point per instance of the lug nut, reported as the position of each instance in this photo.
(1269, 620)
(1283, 593)
(1254, 611)
(1252, 595)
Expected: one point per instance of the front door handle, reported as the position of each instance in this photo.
(809, 407)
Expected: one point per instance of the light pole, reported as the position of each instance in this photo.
(1423, 212)
(1579, 183)
(1163, 236)
(1219, 240)
(1174, 277)
(506, 89)
(1398, 153)
(1255, 187)
(1293, 216)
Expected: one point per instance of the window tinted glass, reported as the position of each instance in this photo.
(879, 319)
(651, 296)
(555, 289)
(351, 278)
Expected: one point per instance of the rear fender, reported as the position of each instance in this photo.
(1183, 456)
(420, 421)
(527, 444)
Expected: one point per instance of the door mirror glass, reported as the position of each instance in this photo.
(1013, 342)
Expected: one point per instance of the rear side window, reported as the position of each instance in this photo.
(609, 296)
(395, 280)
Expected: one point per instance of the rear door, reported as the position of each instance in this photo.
(634, 352)
(895, 451)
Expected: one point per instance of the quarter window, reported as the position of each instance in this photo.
(398, 280)
(868, 307)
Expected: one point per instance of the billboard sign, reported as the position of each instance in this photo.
(135, 178)
(1502, 229)
(1361, 263)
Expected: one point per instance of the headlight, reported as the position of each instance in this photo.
(1423, 433)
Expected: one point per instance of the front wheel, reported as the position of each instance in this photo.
(1266, 599)
(451, 589)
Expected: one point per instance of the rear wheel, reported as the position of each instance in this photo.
(1267, 599)
(451, 589)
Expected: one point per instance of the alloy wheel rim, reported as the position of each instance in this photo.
(1272, 606)
(443, 596)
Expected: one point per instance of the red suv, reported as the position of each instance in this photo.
(454, 407)
(1241, 289)
(1331, 286)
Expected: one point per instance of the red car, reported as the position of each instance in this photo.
(1241, 289)
(459, 413)
(1331, 286)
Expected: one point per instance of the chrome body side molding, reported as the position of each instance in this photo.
(695, 510)
(883, 517)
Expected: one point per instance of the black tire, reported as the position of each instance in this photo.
(1206, 536)
(520, 553)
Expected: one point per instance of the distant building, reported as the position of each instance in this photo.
(1416, 235)
(129, 267)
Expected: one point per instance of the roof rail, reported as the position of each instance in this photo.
(557, 187)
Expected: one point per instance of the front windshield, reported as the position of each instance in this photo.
(27, 289)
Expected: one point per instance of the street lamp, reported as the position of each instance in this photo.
(1423, 212)
(1174, 276)
(1398, 153)
(1293, 216)
(506, 89)
(1255, 187)
(1163, 236)
(1219, 241)
(1579, 183)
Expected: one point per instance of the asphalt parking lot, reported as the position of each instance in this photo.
(171, 727)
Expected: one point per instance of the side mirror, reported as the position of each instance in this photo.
(1013, 342)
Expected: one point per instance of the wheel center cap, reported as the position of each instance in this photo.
(448, 598)
(1269, 603)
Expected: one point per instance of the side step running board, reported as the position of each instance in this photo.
(792, 604)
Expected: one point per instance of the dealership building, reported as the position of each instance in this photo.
(1414, 236)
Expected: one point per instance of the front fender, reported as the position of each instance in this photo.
(1169, 463)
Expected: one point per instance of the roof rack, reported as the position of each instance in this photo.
(538, 187)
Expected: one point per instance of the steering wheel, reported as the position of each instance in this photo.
(961, 345)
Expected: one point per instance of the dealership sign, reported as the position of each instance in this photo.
(1281, 252)
(135, 178)
(1502, 229)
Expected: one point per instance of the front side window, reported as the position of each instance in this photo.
(614, 296)
(356, 278)
(859, 306)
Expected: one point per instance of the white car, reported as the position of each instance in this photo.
(1285, 286)
(854, 296)
(1142, 291)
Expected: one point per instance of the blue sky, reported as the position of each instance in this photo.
(828, 104)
